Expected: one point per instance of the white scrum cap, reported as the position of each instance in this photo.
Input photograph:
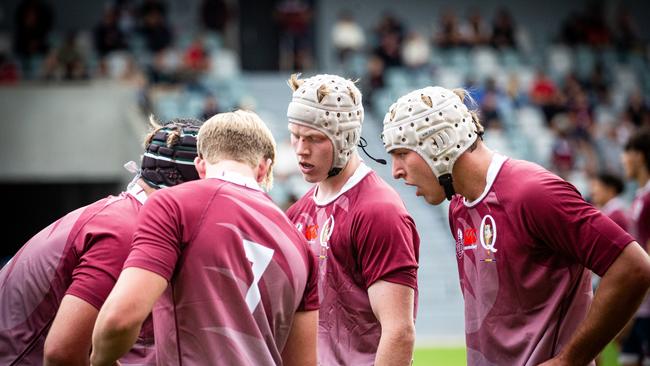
(434, 123)
(331, 105)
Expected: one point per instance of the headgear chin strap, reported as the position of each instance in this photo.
(447, 182)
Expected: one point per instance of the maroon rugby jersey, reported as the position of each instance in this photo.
(361, 236)
(523, 249)
(238, 272)
(80, 254)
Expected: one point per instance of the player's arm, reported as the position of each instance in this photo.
(68, 341)
(393, 305)
(301, 345)
(126, 308)
(621, 291)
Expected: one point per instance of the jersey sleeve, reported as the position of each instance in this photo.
(157, 239)
(387, 244)
(101, 263)
(310, 300)
(558, 217)
(643, 224)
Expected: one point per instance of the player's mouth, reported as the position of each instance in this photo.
(306, 168)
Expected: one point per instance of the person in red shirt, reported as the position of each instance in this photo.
(358, 228)
(635, 349)
(525, 240)
(605, 193)
(52, 289)
(232, 280)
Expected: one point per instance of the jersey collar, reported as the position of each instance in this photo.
(361, 171)
(493, 170)
(236, 178)
(137, 192)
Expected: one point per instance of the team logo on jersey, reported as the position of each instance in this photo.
(325, 235)
(470, 236)
(488, 234)
(311, 232)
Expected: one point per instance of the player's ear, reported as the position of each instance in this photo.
(199, 164)
(262, 169)
(264, 173)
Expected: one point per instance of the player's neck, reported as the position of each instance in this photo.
(470, 172)
(331, 186)
(216, 170)
(148, 190)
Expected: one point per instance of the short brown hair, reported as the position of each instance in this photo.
(240, 136)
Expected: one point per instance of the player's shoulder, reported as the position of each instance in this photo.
(113, 216)
(530, 181)
(375, 198)
(374, 190)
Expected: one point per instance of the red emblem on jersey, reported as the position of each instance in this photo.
(312, 232)
(470, 236)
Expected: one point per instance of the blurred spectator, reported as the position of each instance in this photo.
(294, 18)
(214, 15)
(374, 79)
(416, 51)
(597, 33)
(148, 7)
(389, 24)
(605, 195)
(545, 94)
(33, 21)
(513, 90)
(503, 30)
(562, 152)
(389, 50)
(347, 37)
(572, 32)
(448, 34)
(127, 18)
(210, 107)
(9, 73)
(598, 83)
(474, 31)
(108, 35)
(195, 58)
(636, 110)
(489, 105)
(154, 27)
(626, 32)
(609, 149)
(66, 61)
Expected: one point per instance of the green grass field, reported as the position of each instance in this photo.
(456, 357)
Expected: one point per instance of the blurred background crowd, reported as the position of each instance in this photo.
(561, 84)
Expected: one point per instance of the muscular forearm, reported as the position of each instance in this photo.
(396, 347)
(109, 344)
(619, 294)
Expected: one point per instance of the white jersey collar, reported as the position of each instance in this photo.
(361, 171)
(493, 170)
(137, 192)
(236, 178)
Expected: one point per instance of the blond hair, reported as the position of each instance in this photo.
(295, 83)
(462, 94)
(241, 136)
(155, 126)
